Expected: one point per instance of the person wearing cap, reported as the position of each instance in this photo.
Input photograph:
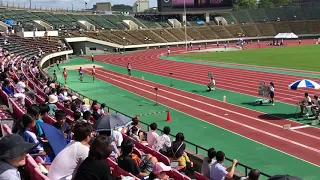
(95, 113)
(13, 150)
(159, 171)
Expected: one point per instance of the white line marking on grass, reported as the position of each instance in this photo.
(221, 127)
(207, 104)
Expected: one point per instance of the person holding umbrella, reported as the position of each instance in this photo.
(13, 150)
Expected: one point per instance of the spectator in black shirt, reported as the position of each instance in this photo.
(94, 167)
(3, 75)
(126, 162)
(95, 113)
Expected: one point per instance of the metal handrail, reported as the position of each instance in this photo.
(197, 147)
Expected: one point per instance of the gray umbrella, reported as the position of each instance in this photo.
(111, 121)
(284, 177)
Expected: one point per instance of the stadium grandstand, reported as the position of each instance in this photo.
(59, 123)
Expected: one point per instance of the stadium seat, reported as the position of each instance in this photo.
(199, 176)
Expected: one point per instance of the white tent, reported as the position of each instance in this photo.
(286, 36)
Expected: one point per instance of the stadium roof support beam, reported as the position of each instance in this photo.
(4, 27)
(174, 23)
(130, 25)
(86, 25)
(42, 24)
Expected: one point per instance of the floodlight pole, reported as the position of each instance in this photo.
(185, 23)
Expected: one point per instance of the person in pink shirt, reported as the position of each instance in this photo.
(152, 135)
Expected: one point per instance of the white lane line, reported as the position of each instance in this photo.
(207, 104)
(212, 114)
(220, 127)
(109, 61)
(300, 127)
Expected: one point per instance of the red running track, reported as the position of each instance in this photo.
(299, 143)
(238, 80)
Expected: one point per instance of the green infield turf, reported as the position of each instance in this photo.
(294, 57)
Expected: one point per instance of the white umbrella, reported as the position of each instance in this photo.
(305, 83)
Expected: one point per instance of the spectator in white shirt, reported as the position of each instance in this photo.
(163, 142)
(306, 102)
(218, 171)
(152, 135)
(21, 87)
(65, 164)
(208, 162)
(117, 136)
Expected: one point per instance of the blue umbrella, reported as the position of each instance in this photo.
(55, 137)
(305, 83)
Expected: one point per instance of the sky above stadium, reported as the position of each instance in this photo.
(77, 4)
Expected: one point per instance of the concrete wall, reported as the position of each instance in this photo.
(140, 6)
(89, 48)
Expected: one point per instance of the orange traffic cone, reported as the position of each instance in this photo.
(168, 116)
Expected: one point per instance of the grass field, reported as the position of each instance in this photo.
(295, 57)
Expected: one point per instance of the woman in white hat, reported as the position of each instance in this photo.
(13, 150)
(52, 100)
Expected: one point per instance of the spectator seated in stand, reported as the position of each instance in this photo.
(253, 175)
(13, 150)
(115, 152)
(61, 123)
(159, 171)
(135, 134)
(163, 143)
(208, 162)
(152, 134)
(95, 113)
(177, 151)
(127, 163)
(218, 172)
(8, 89)
(68, 160)
(85, 105)
(86, 116)
(52, 104)
(135, 122)
(43, 113)
(94, 167)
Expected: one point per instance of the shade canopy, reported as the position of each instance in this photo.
(305, 83)
(286, 36)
